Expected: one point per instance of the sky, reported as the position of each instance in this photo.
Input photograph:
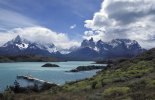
(67, 22)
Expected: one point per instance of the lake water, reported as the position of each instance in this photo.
(9, 71)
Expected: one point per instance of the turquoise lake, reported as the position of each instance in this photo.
(58, 75)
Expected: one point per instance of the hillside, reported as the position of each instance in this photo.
(130, 79)
(27, 58)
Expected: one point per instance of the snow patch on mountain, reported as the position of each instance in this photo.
(22, 46)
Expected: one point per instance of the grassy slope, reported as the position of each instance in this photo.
(132, 79)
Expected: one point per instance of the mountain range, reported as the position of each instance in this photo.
(89, 49)
(106, 50)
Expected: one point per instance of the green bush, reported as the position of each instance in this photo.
(93, 85)
(137, 85)
(82, 85)
(127, 98)
(151, 84)
(115, 91)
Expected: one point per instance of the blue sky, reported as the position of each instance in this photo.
(67, 22)
(57, 15)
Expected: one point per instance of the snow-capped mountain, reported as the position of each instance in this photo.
(112, 49)
(18, 42)
(89, 50)
(21, 46)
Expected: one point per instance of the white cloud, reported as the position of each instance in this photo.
(133, 19)
(13, 23)
(73, 26)
(39, 34)
(97, 35)
(11, 19)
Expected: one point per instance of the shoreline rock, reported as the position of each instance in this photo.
(50, 65)
(87, 68)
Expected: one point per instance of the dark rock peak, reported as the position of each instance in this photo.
(91, 39)
(88, 43)
(18, 39)
(100, 42)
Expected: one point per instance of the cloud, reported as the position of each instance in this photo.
(73, 26)
(97, 35)
(10, 19)
(13, 23)
(39, 34)
(133, 19)
(80, 7)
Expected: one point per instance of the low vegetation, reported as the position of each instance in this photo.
(132, 79)
(115, 91)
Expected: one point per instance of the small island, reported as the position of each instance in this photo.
(50, 65)
(87, 68)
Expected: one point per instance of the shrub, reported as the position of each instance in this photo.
(127, 98)
(7, 95)
(93, 86)
(115, 91)
(151, 84)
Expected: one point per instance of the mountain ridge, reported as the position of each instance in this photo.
(89, 49)
(106, 50)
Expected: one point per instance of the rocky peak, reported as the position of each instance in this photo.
(92, 43)
(18, 39)
(100, 42)
(17, 42)
(91, 40)
(88, 43)
(84, 43)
